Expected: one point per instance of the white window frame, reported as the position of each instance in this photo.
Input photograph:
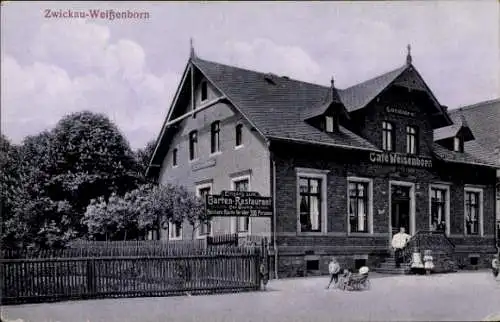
(370, 206)
(312, 174)
(329, 124)
(447, 217)
(196, 146)
(411, 145)
(389, 145)
(171, 231)
(211, 232)
(218, 149)
(481, 206)
(234, 225)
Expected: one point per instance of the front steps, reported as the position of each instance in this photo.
(389, 267)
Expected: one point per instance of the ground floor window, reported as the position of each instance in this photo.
(439, 208)
(359, 208)
(473, 211)
(175, 231)
(310, 204)
(242, 223)
(204, 228)
(311, 200)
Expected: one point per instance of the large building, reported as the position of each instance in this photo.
(484, 120)
(345, 167)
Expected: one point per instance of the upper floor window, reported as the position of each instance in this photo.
(387, 136)
(329, 124)
(193, 145)
(411, 140)
(204, 91)
(174, 157)
(239, 134)
(215, 137)
(458, 145)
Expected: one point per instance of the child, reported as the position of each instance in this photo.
(264, 275)
(334, 270)
(495, 265)
(428, 261)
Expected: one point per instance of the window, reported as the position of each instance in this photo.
(458, 145)
(329, 124)
(204, 91)
(411, 140)
(239, 134)
(175, 231)
(193, 145)
(174, 157)
(310, 204)
(215, 137)
(358, 207)
(242, 223)
(387, 136)
(204, 229)
(473, 211)
(439, 209)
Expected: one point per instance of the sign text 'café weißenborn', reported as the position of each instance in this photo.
(239, 203)
(400, 159)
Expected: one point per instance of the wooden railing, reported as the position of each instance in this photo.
(50, 279)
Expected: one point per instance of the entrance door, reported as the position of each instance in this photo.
(400, 208)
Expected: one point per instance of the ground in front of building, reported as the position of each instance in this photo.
(464, 296)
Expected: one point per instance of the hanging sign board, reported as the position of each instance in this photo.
(239, 204)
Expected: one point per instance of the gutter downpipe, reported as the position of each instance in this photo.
(273, 193)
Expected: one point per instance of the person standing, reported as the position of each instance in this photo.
(399, 242)
(334, 270)
(495, 265)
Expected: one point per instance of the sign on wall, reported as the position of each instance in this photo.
(399, 111)
(393, 158)
(239, 204)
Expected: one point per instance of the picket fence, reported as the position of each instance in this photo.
(159, 273)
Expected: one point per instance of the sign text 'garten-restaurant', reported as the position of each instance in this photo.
(239, 203)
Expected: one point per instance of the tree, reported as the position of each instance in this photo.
(10, 175)
(143, 157)
(146, 208)
(90, 158)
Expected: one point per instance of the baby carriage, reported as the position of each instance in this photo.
(357, 281)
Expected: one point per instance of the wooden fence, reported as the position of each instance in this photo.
(27, 280)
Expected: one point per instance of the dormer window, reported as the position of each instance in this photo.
(329, 124)
(458, 144)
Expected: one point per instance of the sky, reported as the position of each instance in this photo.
(130, 68)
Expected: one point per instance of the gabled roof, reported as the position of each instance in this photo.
(452, 131)
(358, 96)
(276, 109)
(276, 106)
(483, 118)
(331, 100)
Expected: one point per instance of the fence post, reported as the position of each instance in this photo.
(91, 277)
